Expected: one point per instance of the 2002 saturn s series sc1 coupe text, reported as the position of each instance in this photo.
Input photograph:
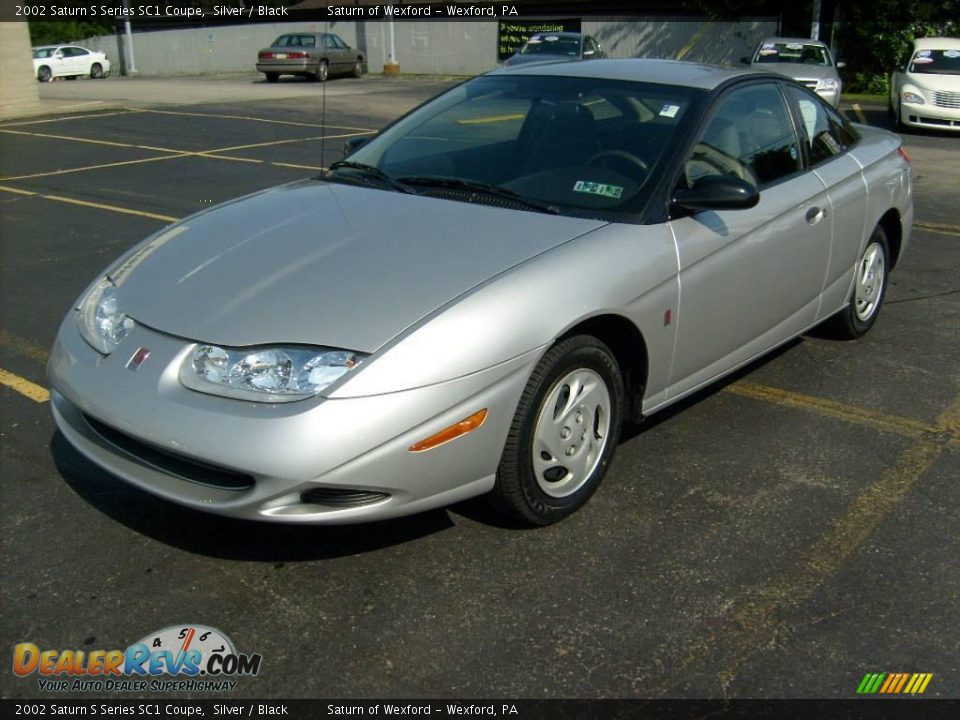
(476, 299)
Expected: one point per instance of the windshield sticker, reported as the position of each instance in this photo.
(551, 38)
(924, 53)
(768, 51)
(795, 46)
(951, 53)
(768, 45)
(593, 188)
(669, 111)
(922, 60)
(534, 40)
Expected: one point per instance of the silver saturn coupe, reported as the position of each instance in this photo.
(474, 301)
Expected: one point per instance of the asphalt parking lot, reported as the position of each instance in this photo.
(779, 535)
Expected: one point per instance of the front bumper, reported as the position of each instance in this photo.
(278, 462)
(930, 116)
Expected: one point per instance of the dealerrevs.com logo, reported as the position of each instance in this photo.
(185, 658)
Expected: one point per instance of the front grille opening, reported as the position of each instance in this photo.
(341, 497)
(171, 463)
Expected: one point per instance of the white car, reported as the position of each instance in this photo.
(51, 61)
(925, 87)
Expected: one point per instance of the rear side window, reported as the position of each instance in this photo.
(825, 133)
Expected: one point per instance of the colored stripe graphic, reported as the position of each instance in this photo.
(894, 683)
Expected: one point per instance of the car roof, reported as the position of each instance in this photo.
(664, 72)
(937, 43)
(804, 41)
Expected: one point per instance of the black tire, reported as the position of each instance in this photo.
(272, 77)
(856, 319)
(96, 71)
(898, 120)
(323, 72)
(44, 74)
(518, 492)
(358, 68)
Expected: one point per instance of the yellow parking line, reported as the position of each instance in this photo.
(68, 117)
(226, 157)
(68, 137)
(24, 386)
(939, 228)
(256, 119)
(94, 167)
(859, 112)
(87, 203)
(24, 347)
(832, 408)
(299, 167)
(766, 611)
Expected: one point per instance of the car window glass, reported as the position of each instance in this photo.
(78, 52)
(551, 45)
(581, 143)
(749, 135)
(338, 42)
(936, 62)
(821, 133)
(792, 52)
(329, 42)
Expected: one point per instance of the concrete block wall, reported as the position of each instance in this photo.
(18, 84)
(434, 48)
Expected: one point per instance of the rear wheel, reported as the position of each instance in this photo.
(564, 433)
(96, 71)
(358, 68)
(272, 77)
(869, 289)
(323, 70)
(44, 74)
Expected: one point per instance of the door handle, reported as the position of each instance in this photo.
(815, 215)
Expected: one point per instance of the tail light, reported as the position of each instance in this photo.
(903, 153)
(265, 55)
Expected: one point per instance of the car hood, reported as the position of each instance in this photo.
(325, 264)
(800, 71)
(936, 83)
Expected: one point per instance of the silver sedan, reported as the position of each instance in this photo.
(475, 300)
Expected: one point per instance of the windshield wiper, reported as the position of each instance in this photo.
(368, 174)
(479, 187)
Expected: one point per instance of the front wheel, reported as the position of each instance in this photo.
(869, 289)
(358, 68)
(564, 433)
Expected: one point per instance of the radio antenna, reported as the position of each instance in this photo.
(323, 99)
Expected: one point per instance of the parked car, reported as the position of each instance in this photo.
(543, 47)
(315, 56)
(925, 86)
(69, 61)
(476, 299)
(809, 62)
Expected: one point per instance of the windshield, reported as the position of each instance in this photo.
(43, 52)
(792, 52)
(580, 146)
(936, 62)
(551, 45)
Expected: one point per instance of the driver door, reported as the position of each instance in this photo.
(751, 278)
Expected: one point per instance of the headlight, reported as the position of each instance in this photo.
(912, 98)
(271, 374)
(828, 85)
(100, 320)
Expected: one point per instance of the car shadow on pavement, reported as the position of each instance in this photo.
(228, 538)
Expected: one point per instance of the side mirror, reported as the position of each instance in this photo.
(745, 60)
(717, 192)
(841, 64)
(355, 143)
